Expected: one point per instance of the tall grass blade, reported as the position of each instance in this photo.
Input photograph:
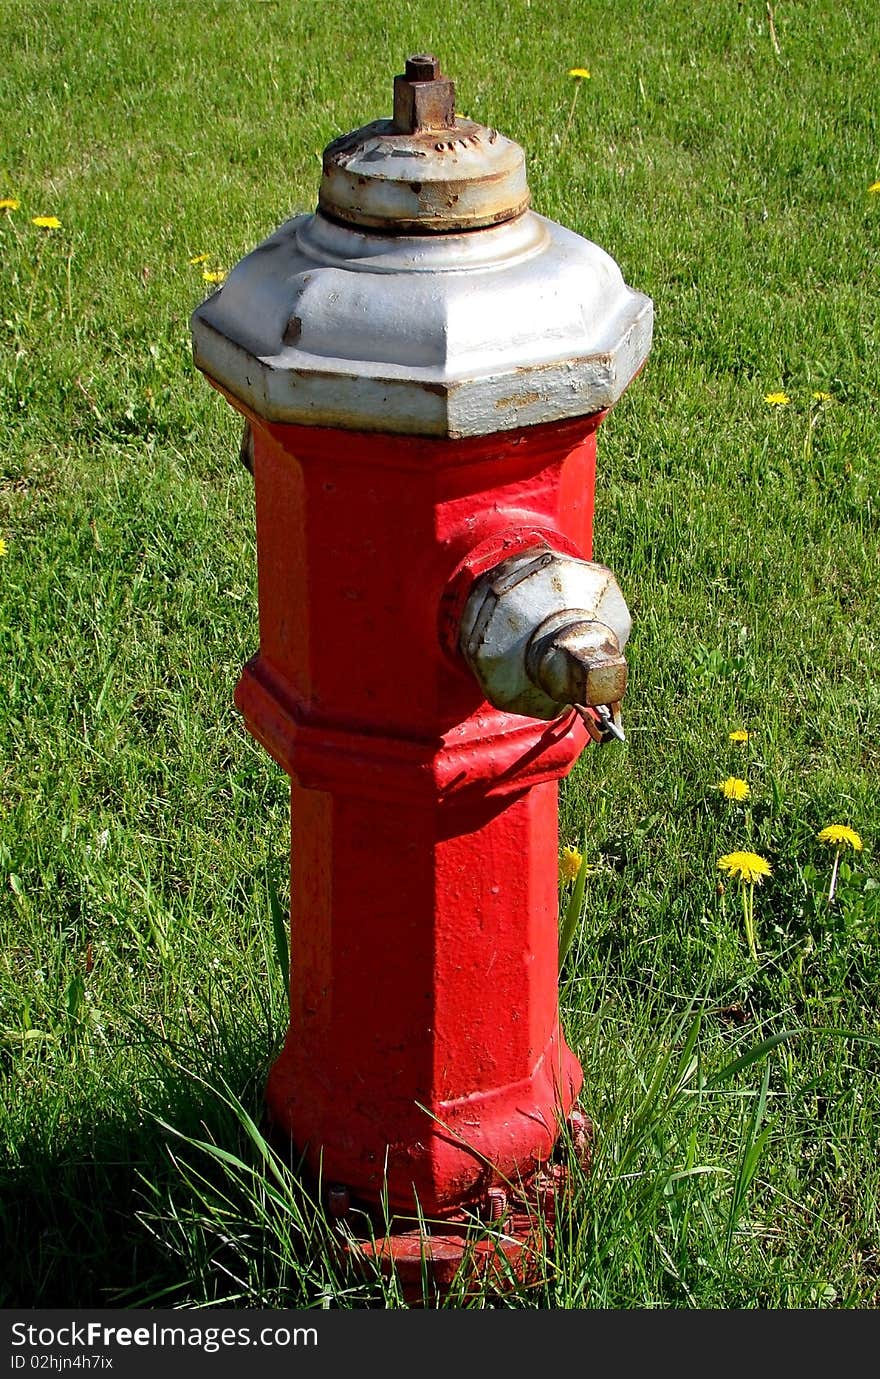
(753, 1147)
(572, 912)
(279, 931)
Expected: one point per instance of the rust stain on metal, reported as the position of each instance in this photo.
(518, 400)
(464, 198)
(474, 176)
(293, 330)
(423, 97)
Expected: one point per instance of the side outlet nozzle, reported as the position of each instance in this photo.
(544, 631)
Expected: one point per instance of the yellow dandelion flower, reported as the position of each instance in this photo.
(200, 258)
(746, 866)
(874, 187)
(580, 72)
(839, 836)
(749, 869)
(46, 222)
(821, 397)
(3, 547)
(9, 203)
(569, 864)
(213, 275)
(739, 735)
(733, 788)
(777, 399)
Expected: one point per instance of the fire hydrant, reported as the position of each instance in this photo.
(423, 364)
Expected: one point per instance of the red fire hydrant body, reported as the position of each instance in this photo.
(424, 1063)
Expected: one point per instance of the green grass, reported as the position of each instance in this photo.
(143, 835)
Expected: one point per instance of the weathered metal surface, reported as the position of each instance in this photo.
(423, 297)
(603, 723)
(423, 97)
(421, 67)
(448, 335)
(543, 631)
(513, 1241)
(423, 171)
(577, 662)
(460, 177)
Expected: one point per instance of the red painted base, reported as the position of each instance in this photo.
(504, 1249)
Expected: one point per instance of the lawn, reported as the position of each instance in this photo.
(727, 155)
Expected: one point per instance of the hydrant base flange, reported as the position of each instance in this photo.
(505, 1248)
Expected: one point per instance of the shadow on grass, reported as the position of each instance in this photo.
(75, 1196)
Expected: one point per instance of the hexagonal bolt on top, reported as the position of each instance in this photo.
(422, 67)
(423, 99)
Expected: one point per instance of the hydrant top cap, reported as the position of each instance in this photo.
(423, 297)
(426, 170)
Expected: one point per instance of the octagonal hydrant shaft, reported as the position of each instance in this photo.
(428, 1053)
(424, 1054)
